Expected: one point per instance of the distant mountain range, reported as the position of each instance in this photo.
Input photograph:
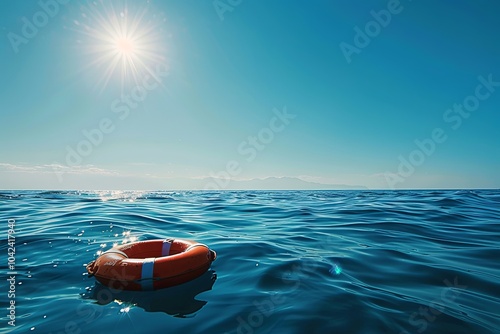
(269, 183)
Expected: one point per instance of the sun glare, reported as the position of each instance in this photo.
(125, 46)
(124, 43)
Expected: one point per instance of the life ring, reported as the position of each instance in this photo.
(151, 264)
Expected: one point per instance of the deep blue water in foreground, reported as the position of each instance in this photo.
(288, 261)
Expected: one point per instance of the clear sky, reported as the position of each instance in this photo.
(152, 94)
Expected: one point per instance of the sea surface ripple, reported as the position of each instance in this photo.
(423, 261)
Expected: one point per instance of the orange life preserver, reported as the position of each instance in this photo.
(151, 264)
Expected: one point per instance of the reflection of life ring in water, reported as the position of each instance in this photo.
(152, 264)
(178, 301)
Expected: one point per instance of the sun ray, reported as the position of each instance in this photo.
(108, 73)
(122, 41)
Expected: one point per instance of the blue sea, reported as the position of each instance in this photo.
(287, 261)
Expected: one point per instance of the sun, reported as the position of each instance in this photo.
(125, 47)
(123, 43)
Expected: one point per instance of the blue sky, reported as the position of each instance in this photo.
(249, 89)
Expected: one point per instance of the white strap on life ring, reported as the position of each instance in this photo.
(115, 251)
(195, 245)
(147, 273)
(165, 248)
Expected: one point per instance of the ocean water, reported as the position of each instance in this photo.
(288, 261)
